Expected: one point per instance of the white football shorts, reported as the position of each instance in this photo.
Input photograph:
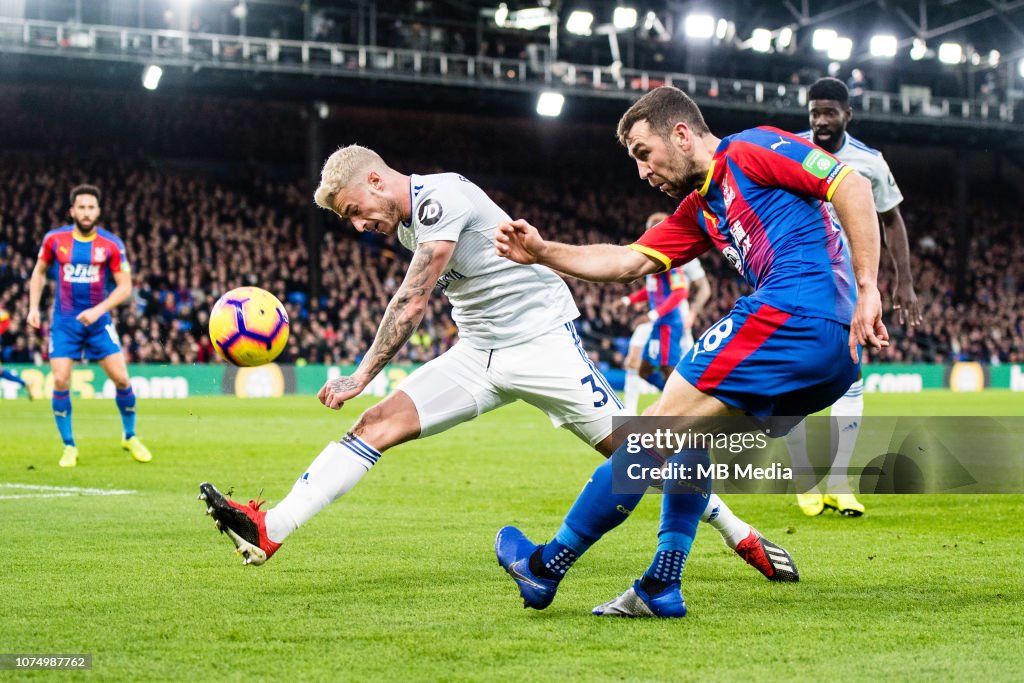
(551, 372)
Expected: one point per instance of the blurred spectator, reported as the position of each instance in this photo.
(233, 214)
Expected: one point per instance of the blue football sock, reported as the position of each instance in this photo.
(597, 511)
(681, 507)
(657, 380)
(125, 400)
(7, 374)
(62, 414)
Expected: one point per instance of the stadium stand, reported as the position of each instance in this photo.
(205, 201)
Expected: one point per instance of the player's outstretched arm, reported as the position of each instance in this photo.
(855, 205)
(905, 302)
(402, 317)
(521, 242)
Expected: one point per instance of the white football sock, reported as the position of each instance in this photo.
(848, 412)
(725, 521)
(339, 467)
(632, 393)
(796, 441)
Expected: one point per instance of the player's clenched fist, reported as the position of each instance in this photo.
(518, 241)
(335, 392)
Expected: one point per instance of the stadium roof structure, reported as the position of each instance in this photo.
(736, 57)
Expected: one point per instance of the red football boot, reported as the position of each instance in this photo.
(245, 525)
(771, 560)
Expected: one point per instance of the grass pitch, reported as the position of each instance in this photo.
(398, 580)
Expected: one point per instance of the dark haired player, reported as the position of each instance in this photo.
(830, 114)
(82, 254)
(790, 348)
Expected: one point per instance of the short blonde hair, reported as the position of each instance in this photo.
(340, 169)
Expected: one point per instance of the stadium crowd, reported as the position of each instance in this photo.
(194, 230)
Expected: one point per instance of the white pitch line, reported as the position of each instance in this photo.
(39, 495)
(60, 491)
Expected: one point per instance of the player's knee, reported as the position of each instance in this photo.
(61, 381)
(382, 428)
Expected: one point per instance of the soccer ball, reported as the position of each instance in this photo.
(248, 326)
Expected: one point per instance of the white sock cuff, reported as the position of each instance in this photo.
(850, 404)
(360, 448)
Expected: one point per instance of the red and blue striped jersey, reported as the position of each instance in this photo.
(763, 205)
(663, 293)
(83, 267)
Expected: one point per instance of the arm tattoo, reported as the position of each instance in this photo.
(399, 322)
(343, 385)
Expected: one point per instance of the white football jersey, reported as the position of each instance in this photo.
(495, 302)
(871, 164)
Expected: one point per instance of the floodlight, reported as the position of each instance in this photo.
(919, 50)
(699, 26)
(840, 49)
(883, 45)
(785, 38)
(950, 53)
(550, 103)
(761, 40)
(151, 77)
(624, 18)
(579, 22)
(822, 38)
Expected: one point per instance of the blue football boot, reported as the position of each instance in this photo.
(514, 550)
(668, 604)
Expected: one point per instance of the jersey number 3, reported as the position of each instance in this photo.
(597, 389)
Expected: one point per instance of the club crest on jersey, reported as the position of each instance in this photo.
(99, 253)
(728, 194)
(430, 212)
(81, 273)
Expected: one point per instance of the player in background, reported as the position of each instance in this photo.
(13, 377)
(516, 341)
(83, 254)
(5, 324)
(666, 331)
(790, 348)
(830, 114)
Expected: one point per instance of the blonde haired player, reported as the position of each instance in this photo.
(517, 341)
